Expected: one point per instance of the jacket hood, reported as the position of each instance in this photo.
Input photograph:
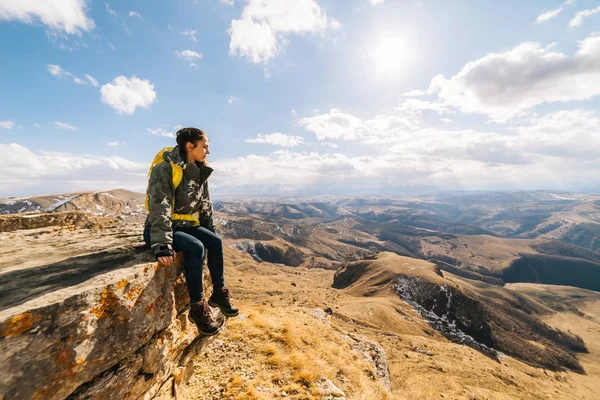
(175, 156)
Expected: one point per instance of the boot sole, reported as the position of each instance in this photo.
(224, 312)
(203, 333)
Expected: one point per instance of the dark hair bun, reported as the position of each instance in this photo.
(185, 135)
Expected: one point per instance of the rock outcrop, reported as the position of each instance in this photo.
(65, 219)
(374, 354)
(120, 335)
(272, 252)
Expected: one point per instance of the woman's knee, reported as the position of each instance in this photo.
(193, 248)
(217, 242)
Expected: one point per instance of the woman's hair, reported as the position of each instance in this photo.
(186, 135)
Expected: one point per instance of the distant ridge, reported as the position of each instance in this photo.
(101, 203)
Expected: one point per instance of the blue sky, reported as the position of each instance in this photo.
(314, 96)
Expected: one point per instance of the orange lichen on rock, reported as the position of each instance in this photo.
(122, 284)
(108, 304)
(134, 293)
(18, 324)
(64, 356)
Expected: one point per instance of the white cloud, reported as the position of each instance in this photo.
(548, 15)
(334, 24)
(398, 170)
(415, 93)
(260, 33)
(68, 16)
(287, 168)
(64, 125)
(338, 125)
(417, 106)
(538, 152)
(56, 70)
(135, 14)
(573, 134)
(434, 86)
(6, 124)
(505, 85)
(231, 100)
(189, 56)
(560, 122)
(93, 81)
(110, 11)
(37, 125)
(113, 144)
(117, 18)
(277, 139)
(554, 151)
(126, 94)
(327, 172)
(34, 173)
(334, 125)
(568, 134)
(267, 73)
(162, 132)
(228, 2)
(581, 15)
(376, 2)
(191, 33)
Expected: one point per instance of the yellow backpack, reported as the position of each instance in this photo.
(177, 177)
(177, 170)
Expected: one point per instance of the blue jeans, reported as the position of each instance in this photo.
(192, 242)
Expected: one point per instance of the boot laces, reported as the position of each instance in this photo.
(225, 294)
(206, 311)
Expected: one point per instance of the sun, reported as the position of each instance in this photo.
(389, 54)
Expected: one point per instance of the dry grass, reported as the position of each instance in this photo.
(292, 351)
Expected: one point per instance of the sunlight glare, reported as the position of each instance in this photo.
(389, 54)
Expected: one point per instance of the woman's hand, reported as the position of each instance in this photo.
(164, 254)
(167, 261)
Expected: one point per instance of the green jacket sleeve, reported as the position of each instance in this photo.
(160, 200)
(206, 210)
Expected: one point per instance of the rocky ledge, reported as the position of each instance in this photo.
(120, 335)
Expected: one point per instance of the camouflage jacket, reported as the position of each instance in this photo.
(191, 197)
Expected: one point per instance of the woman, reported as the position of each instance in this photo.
(172, 225)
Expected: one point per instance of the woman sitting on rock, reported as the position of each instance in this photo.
(177, 192)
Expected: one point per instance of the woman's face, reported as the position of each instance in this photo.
(198, 153)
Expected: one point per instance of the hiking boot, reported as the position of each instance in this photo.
(222, 299)
(201, 314)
